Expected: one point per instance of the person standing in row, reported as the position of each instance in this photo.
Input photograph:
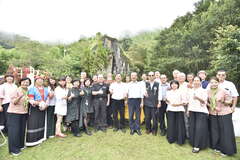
(222, 138)
(17, 117)
(108, 82)
(51, 120)
(176, 131)
(5, 91)
(86, 105)
(73, 108)
(61, 105)
(198, 116)
(36, 126)
(152, 101)
(135, 94)
(203, 75)
(162, 110)
(118, 92)
(100, 91)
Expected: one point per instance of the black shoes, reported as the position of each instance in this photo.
(77, 135)
(89, 133)
(139, 132)
(131, 132)
(148, 132)
(163, 133)
(115, 129)
(154, 133)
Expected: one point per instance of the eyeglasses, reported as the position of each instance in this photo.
(151, 75)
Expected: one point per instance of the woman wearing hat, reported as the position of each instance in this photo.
(17, 117)
(6, 90)
(36, 126)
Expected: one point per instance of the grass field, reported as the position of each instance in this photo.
(113, 146)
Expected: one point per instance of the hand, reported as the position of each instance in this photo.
(146, 95)
(1, 108)
(100, 92)
(141, 105)
(65, 97)
(108, 103)
(81, 93)
(174, 105)
(159, 105)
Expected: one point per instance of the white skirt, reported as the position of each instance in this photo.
(61, 109)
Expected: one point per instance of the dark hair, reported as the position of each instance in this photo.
(174, 82)
(75, 80)
(52, 86)
(24, 79)
(8, 75)
(62, 79)
(214, 78)
(87, 79)
(192, 74)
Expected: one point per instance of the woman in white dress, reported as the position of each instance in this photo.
(61, 105)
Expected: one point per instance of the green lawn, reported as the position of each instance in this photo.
(113, 146)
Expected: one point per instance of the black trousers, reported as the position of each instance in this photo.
(110, 114)
(118, 108)
(162, 114)
(176, 131)
(100, 106)
(3, 117)
(134, 108)
(75, 127)
(222, 134)
(151, 115)
(198, 130)
(51, 121)
(16, 131)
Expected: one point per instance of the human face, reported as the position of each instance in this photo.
(174, 86)
(196, 82)
(203, 76)
(100, 78)
(39, 81)
(134, 76)
(76, 84)
(214, 84)
(151, 76)
(221, 76)
(83, 75)
(95, 78)
(68, 79)
(163, 79)
(181, 78)
(9, 79)
(52, 81)
(127, 79)
(25, 84)
(62, 83)
(190, 78)
(144, 77)
(157, 74)
(118, 78)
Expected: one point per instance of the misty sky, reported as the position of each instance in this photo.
(68, 20)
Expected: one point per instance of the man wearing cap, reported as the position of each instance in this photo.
(6, 90)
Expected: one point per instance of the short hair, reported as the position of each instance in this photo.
(87, 79)
(174, 82)
(214, 78)
(202, 71)
(221, 70)
(24, 79)
(192, 74)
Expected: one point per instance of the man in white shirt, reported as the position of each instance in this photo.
(135, 102)
(162, 110)
(118, 91)
(229, 86)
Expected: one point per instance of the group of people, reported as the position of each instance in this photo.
(196, 109)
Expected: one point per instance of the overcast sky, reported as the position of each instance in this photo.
(68, 20)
